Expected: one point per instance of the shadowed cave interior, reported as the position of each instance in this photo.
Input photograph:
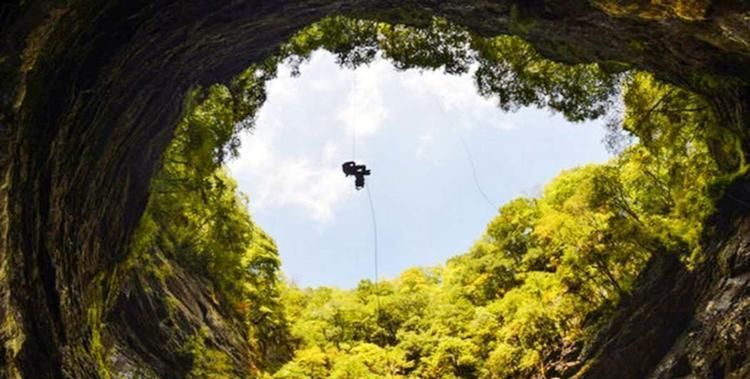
(89, 109)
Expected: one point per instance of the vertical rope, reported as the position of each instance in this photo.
(474, 175)
(375, 261)
(374, 229)
(375, 246)
(354, 144)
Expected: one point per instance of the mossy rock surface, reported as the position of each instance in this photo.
(90, 93)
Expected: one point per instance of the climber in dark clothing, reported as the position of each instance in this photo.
(359, 172)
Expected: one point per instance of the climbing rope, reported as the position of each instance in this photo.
(354, 144)
(375, 245)
(474, 172)
(474, 175)
(374, 225)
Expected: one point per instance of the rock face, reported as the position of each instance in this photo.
(165, 321)
(90, 92)
(716, 342)
(681, 323)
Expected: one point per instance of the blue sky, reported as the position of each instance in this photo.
(409, 129)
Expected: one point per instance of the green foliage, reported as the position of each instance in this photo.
(510, 70)
(682, 154)
(196, 217)
(523, 299)
(505, 68)
(207, 363)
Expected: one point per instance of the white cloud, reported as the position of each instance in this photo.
(299, 183)
(330, 152)
(275, 181)
(364, 110)
(424, 143)
(456, 94)
(256, 151)
(505, 124)
(292, 159)
(453, 91)
(275, 177)
(282, 90)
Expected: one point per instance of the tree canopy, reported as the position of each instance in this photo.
(524, 300)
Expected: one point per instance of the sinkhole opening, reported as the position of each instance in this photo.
(443, 159)
(505, 235)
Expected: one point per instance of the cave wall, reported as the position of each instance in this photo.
(90, 92)
(682, 323)
(166, 322)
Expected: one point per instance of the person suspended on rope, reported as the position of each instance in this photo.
(359, 172)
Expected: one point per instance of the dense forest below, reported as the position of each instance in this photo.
(527, 300)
